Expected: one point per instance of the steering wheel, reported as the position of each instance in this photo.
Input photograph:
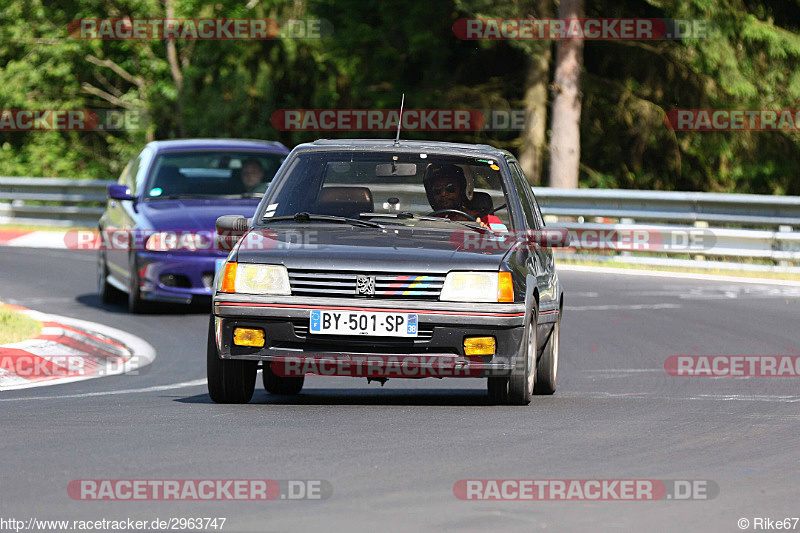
(453, 212)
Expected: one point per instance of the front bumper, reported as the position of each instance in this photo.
(442, 330)
(177, 277)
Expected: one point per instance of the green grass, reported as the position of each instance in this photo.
(15, 327)
(712, 271)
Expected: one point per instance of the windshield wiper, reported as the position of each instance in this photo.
(309, 217)
(184, 195)
(410, 215)
(399, 214)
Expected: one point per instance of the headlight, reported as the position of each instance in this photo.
(167, 241)
(478, 287)
(242, 278)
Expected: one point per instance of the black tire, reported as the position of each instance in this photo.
(136, 304)
(518, 388)
(275, 384)
(547, 367)
(229, 380)
(498, 391)
(523, 377)
(108, 293)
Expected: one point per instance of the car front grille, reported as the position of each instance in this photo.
(387, 284)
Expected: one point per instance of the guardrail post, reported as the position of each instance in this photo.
(626, 253)
(784, 229)
(700, 224)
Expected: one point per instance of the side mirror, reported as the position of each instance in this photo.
(231, 223)
(230, 228)
(120, 192)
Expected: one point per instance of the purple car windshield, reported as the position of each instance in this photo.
(211, 174)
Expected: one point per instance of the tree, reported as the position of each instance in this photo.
(565, 142)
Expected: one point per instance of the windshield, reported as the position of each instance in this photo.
(384, 185)
(212, 174)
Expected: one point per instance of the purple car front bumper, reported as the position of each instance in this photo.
(177, 277)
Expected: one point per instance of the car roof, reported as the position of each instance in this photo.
(380, 145)
(216, 144)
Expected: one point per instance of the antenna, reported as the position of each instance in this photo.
(400, 121)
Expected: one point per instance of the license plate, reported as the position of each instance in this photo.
(363, 323)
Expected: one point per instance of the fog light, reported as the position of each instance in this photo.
(479, 346)
(248, 337)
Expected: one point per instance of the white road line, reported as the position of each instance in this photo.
(626, 370)
(612, 307)
(703, 397)
(34, 301)
(683, 275)
(158, 388)
(746, 398)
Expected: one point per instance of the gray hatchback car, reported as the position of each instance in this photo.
(385, 259)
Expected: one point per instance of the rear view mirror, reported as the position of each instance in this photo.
(385, 170)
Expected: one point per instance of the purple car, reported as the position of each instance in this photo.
(157, 232)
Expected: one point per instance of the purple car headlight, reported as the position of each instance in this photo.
(167, 241)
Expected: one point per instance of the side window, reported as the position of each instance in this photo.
(139, 174)
(532, 198)
(539, 216)
(523, 188)
(131, 181)
(123, 177)
(128, 176)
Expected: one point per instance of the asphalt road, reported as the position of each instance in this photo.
(393, 453)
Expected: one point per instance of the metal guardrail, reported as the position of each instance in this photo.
(684, 207)
(741, 226)
(52, 201)
(770, 236)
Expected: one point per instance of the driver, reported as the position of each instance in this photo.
(253, 177)
(448, 188)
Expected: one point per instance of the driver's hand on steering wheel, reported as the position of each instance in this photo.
(482, 223)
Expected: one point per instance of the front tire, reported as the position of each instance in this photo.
(518, 388)
(275, 384)
(547, 368)
(498, 391)
(523, 377)
(229, 380)
(136, 304)
(108, 293)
